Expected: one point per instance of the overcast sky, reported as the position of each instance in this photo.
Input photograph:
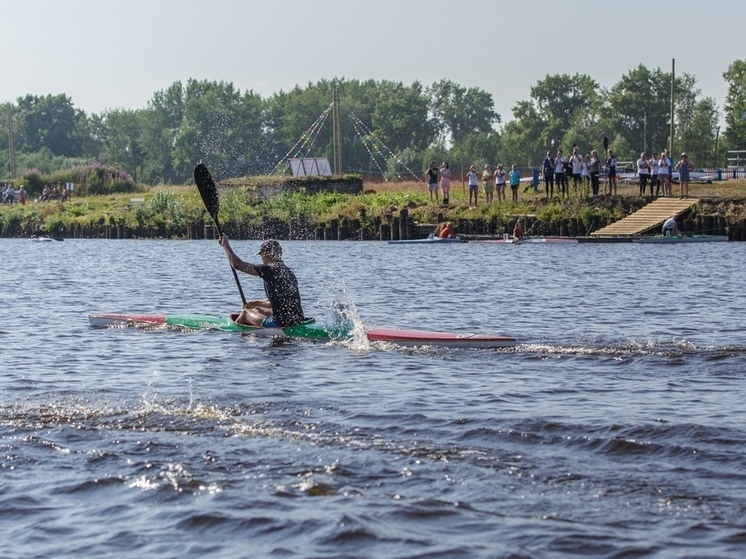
(108, 54)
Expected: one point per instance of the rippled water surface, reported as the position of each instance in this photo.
(616, 427)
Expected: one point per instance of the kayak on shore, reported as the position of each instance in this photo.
(312, 329)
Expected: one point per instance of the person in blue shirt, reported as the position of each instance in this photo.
(515, 181)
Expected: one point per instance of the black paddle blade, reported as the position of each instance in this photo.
(207, 190)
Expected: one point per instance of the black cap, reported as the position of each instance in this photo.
(270, 247)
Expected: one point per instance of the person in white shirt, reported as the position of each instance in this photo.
(559, 173)
(643, 172)
(670, 227)
(577, 168)
(663, 175)
(654, 182)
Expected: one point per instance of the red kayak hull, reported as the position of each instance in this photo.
(440, 339)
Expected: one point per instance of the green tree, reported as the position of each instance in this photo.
(524, 139)
(558, 100)
(698, 134)
(400, 116)
(161, 121)
(639, 109)
(222, 127)
(122, 141)
(735, 105)
(50, 121)
(459, 112)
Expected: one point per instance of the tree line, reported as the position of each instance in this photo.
(388, 128)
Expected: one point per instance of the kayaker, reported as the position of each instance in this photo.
(283, 305)
(670, 227)
(446, 232)
(518, 231)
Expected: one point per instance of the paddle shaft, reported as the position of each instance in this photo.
(209, 193)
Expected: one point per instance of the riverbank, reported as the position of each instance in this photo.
(383, 211)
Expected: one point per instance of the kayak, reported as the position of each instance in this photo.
(308, 330)
(439, 339)
(430, 241)
(683, 239)
(529, 240)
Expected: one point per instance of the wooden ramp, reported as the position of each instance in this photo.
(651, 216)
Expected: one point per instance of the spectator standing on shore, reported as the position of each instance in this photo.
(654, 169)
(488, 185)
(515, 181)
(559, 173)
(670, 171)
(22, 196)
(611, 172)
(684, 167)
(586, 174)
(548, 171)
(432, 181)
(473, 179)
(643, 172)
(500, 175)
(594, 169)
(663, 174)
(445, 182)
(576, 159)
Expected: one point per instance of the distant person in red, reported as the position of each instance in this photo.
(446, 232)
(519, 231)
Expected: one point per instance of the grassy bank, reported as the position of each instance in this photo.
(382, 209)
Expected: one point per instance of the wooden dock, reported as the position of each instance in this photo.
(643, 220)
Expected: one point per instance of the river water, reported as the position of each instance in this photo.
(616, 427)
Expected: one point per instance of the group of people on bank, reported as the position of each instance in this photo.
(8, 195)
(439, 182)
(585, 171)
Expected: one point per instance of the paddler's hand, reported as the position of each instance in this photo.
(223, 241)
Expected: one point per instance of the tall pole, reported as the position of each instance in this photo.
(337, 133)
(673, 101)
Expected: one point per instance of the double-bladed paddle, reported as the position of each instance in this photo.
(209, 193)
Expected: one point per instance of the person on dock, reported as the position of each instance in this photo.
(432, 181)
(445, 182)
(283, 304)
(684, 167)
(670, 227)
(488, 185)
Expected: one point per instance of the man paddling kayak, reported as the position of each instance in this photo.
(283, 305)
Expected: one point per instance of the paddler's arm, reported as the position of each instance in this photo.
(234, 260)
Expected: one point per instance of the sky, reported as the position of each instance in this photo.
(115, 54)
